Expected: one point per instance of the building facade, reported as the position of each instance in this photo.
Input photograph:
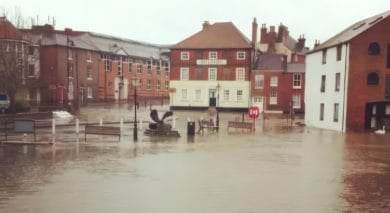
(348, 80)
(211, 68)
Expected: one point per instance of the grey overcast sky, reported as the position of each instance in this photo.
(170, 21)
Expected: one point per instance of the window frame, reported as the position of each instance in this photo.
(259, 81)
(241, 55)
(213, 55)
(212, 73)
(273, 81)
(184, 73)
(337, 82)
(240, 73)
(185, 56)
(297, 81)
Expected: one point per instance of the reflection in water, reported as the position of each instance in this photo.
(274, 170)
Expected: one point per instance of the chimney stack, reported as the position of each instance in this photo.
(316, 43)
(301, 42)
(254, 32)
(263, 33)
(206, 25)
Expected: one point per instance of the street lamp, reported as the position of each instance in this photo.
(135, 130)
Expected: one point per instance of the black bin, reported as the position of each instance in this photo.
(190, 128)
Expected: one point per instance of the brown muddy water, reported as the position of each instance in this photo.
(276, 169)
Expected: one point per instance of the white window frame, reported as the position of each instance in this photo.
(212, 73)
(297, 81)
(89, 74)
(259, 81)
(198, 95)
(240, 95)
(89, 57)
(226, 95)
(240, 74)
(184, 73)
(148, 84)
(158, 86)
(336, 112)
(296, 101)
(273, 81)
(185, 56)
(273, 98)
(213, 55)
(241, 55)
(337, 82)
(89, 92)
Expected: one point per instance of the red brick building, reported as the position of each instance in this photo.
(80, 67)
(278, 75)
(348, 78)
(211, 67)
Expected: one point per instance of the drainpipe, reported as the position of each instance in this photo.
(343, 127)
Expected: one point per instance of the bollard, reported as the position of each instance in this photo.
(121, 125)
(77, 126)
(174, 122)
(101, 122)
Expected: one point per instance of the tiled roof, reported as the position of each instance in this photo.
(216, 36)
(352, 31)
(8, 30)
(269, 62)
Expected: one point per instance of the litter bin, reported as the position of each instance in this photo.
(190, 128)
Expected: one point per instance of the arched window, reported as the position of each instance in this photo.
(372, 78)
(374, 49)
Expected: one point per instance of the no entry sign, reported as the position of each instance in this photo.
(253, 112)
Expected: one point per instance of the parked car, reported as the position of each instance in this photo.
(4, 102)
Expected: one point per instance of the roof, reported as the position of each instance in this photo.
(8, 30)
(269, 62)
(220, 35)
(352, 31)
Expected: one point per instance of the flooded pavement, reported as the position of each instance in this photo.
(275, 169)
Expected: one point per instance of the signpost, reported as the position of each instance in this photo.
(253, 113)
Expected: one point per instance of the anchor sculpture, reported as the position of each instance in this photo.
(159, 128)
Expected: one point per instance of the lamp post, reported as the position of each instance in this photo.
(135, 129)
(218, 87)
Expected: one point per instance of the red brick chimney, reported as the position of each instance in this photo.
(263, 34)
(301, 42)
(206, 25)
(254, 32)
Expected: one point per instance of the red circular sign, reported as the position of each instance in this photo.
(253, 112)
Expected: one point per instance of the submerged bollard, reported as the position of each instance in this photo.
(121, 125)
(101, 122)
(53, 126)
(174, 122)
(77, 126)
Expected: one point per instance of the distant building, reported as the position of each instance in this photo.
(278, 75)
(80, 67)
(348, 78)
(211, 68)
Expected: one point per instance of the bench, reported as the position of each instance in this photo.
(102, 130)
(205, 124)
(241, 125)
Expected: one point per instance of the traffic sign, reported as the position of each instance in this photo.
(253, 112)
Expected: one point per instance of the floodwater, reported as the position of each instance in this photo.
(276, 169)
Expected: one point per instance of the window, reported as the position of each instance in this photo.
(240, 55)
(89, 74)
(149, 67)
(166, 66)
(337, 82)
(130, 65)
(259, 81)
(296, 101)
(185, 56)
(226, 95)
(31, 70)
(374, 49)
(184, 94)
(158, 68)
(322, 109)
(239, 95)
(323, 79)
(148, 84)
(339, 48)
(158, 86)
(199, 55)
(198, 95)
(107, 62)
(198, 73)
(31, 50)
(240, 73)
(274, 81)
(297, 81)
(213, 55)
(120, 66)
(70, 57)
(336, 112)
(89, 92)
(372, 78)
(166, 85)
(212, 74)
(89, 56)
(324, 56)
(184, 73)
(139, 68)
(273, 98)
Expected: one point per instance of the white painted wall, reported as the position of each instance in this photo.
(204, 86)
(314, 97)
